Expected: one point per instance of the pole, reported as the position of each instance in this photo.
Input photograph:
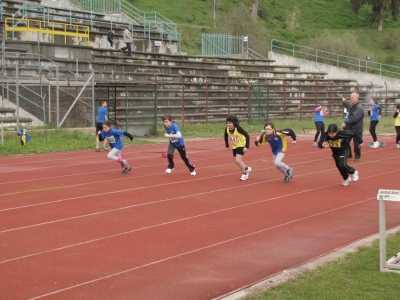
(382, 234)
(57, 100)
(93, 104)
(17, 93)
(2, 134)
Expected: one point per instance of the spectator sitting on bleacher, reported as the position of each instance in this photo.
(127, 40)
(110, 38)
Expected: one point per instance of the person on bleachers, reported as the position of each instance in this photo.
(110, 38)
(127, 38)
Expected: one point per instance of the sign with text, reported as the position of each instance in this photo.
(389, 195)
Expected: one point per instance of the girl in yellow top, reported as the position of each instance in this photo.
(397, 125)
(240, 142)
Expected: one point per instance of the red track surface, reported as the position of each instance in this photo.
(73, 227)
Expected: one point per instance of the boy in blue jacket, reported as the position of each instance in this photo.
(176, 141)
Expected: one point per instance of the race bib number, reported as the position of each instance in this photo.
(111, 139)
(173, 140)
(335, 144)
(235, 139)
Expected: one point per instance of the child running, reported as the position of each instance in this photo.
(277, 141)
(374, 113)
(176, 141)
(113, 138)
(397, 125)
(339, 142)
(240, 141)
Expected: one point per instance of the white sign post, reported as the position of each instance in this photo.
(394, 262)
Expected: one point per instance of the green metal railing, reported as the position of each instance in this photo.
(362, 65)
(152, 21)
(30, 10)
(222, 45)
(104, 6)
(258, 102)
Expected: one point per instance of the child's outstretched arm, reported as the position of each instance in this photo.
(260, 140)
(128, 135)
(290, 132)
(322, 141)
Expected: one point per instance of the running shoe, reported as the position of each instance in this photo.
(126, 170)
(346, 182)
(355, 176)
(244, 177)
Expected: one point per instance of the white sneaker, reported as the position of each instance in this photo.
(168, 170)
(398, 146)
(346, 182)
(375, 145)
(289, 173)
(314, 144)
(355, 176)
(248, 170)
(193, 173)
(244, 177)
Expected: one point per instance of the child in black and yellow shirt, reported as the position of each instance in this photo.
(240, 141)
(339, 142)
(277, 141)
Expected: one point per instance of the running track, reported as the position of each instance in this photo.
(73, 227)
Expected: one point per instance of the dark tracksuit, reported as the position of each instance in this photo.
(355, 122)
(340, 146)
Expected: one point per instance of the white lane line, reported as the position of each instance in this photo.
(197, 250)
(166, 223)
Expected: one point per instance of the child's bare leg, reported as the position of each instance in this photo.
(240, 163)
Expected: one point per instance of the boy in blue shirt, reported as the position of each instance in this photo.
(176, 141)
(102, 116)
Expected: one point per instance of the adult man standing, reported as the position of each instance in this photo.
(127, 38)
(354, 121)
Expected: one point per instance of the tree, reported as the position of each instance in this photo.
(254, 10)
(378, 9)
(215, 4)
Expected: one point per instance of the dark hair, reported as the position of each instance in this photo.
(167, 117)
(332, 128)
(375, 101)
(269, 124)
(107, 123)
(233, 119)
(398, 106)
(102, 101)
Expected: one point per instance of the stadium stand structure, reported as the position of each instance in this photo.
(191, 88)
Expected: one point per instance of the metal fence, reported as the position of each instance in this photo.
(132, 107)
(358, 64)
(258, 102)
(104, 6)
(223, 45)
(45, 92)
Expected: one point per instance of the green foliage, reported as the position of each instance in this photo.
(54, 141)
(317, 18)
(353, 277)
(344, 43)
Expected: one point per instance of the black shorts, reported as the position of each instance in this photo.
(99, 127)
(238, 150)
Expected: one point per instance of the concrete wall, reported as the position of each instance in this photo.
(335, 72)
